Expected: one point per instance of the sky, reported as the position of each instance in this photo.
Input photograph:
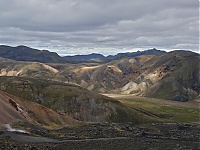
(71, 27)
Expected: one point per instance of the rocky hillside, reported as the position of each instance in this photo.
(13, 109)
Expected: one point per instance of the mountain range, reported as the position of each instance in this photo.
(152, 73)
(173, 75)
(95, 57)
(24, 53)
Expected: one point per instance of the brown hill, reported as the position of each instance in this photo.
(14, 109)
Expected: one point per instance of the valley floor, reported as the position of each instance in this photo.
(166, 125)
(121, 97)
(107, 136)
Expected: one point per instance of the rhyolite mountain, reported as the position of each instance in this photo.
(105, 78)
(173, 75)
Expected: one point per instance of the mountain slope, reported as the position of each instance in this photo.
(14, 109)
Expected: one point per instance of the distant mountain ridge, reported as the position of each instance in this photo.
(24, 53)
(94, 56)
(153, 51)
(86, 57)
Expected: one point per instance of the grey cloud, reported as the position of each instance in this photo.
(103, 24)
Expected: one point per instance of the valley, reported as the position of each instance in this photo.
(125, 101)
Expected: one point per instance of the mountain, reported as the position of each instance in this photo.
(174, 75)
(105, 78)
(23, 53)
(13, 109)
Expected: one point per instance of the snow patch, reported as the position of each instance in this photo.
(10, 129)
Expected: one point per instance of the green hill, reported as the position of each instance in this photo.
(72, 100)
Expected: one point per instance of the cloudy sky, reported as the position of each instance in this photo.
(104, 26)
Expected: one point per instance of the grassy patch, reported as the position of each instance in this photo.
(167, 112)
